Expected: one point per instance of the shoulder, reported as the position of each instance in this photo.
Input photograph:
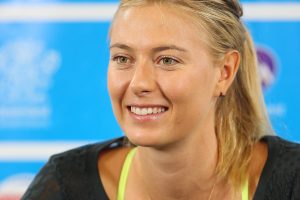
(280, 178)
(81, 159)
(84, 152)
(282, 154)
(72, 174)
(81, 163)
(110, 164)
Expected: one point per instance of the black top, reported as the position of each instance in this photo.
(74, 174)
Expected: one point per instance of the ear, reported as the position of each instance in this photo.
(228, 69)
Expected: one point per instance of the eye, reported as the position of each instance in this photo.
(168, 61)
(121, 60)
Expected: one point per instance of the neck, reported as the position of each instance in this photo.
(176, 173)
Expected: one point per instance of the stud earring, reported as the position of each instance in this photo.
(222, 95)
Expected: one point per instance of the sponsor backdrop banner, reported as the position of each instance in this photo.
(53, 65)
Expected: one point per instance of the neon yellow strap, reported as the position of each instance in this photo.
(124, 174)
(245, 192)
(125, 171)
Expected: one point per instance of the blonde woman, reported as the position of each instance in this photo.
(184, 88)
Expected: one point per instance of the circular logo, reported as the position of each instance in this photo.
(267, 67)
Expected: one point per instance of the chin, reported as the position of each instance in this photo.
(144, 139)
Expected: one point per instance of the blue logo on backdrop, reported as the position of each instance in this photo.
(26, 71)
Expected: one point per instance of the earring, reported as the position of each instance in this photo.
(222, 95)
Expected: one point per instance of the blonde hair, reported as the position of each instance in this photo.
(240, 116)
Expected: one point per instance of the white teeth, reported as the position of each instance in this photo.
(147, 111)
(144, 111)
(138, 111)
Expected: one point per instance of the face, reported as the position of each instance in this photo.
(161, 78)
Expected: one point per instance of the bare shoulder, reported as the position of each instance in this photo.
(257, 163)
(110, 164)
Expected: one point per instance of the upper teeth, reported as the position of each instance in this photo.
(146, 111)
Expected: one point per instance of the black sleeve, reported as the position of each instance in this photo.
(71, 175)
(45, 185)
(296, 190)
(280, 179)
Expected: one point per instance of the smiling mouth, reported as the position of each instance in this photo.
(147, 110)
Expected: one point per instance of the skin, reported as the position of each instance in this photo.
(188, 88)
(159, 59)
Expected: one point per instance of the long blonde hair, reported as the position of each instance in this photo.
(240, 116)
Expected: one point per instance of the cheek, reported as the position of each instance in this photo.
(190, 96)
(116, 83)
(186, 87)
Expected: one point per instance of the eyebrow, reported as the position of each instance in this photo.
(120, 46)
(156, 49)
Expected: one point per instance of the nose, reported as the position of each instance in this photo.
(143, 80)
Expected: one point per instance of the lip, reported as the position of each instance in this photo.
(148, 117)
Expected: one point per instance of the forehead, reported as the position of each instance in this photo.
(151, 24)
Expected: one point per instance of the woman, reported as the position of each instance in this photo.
(184, 88)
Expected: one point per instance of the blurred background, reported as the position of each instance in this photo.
(53, 64)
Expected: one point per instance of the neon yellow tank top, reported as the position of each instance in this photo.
(124, 176)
